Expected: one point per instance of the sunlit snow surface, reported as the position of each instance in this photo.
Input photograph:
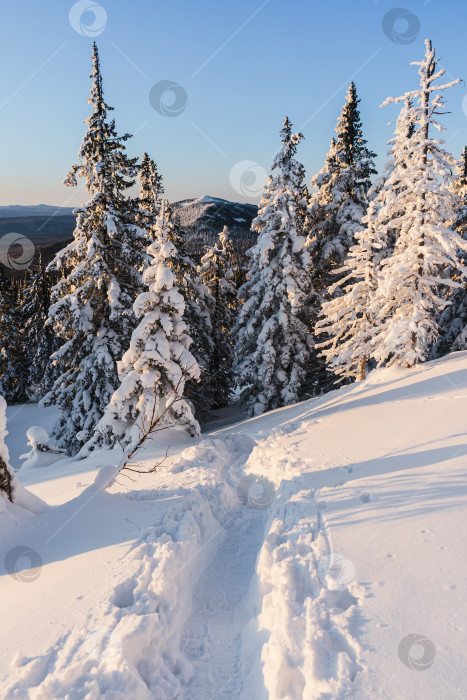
(337, 570)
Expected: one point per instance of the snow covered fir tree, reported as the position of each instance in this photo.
(348, 320)
(91, 309)
(335, 213)
(151, 189)
(453, 319)
(8, 340)
(197, 315)
(40, 341)
(217, 274)
(408, 302)
(154, 369)
(406, 264)
(335, 210)
(273, 342)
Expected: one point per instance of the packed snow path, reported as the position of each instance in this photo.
(213, 635)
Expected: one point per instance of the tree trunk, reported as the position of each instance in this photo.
(5, 480)
(425, 106)
(361, 373)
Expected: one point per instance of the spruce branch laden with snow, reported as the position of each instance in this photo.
(349, 320)
(411, 291)
(92, 304)
(217, 274)
(15, 350)
(197, 314)
(453, 320)
(151, 190)
(149, 427)
(273, 342)
(334, 216)
(41, 341)
(335, 210)
(154, 369)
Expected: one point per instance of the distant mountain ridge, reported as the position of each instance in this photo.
(15, 210)
(203, 218)
(51, 228)
(206, 217)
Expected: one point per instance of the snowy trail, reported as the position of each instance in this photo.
(212, 637)
(173, 587)
(144, 611)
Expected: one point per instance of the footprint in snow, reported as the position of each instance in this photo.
(339, 600)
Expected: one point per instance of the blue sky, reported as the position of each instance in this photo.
(242, 66)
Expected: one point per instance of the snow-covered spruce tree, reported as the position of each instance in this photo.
(196, 295)
(148, 204)
(460, 188)
(198, 302)
(273, 342)
(14, 371)
(151, 190)
(334, 215)
(20, 345)
(347, 320)
(409, 299)
(336, 208)
(38, 338)
(92, 306)
(7, 334)
(217, 274)
(154, 369)
(453, 320)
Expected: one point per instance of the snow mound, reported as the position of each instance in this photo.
(37, 436)
(42, 453)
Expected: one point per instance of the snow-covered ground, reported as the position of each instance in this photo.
(317, 551)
